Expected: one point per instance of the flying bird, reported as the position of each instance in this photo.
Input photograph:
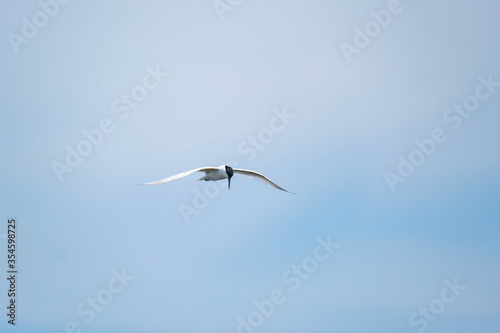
(218, 173)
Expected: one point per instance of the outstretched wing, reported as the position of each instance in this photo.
(258, 176)
(180, 175)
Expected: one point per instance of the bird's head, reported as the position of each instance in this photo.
(230, 173)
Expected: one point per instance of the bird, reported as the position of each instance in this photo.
(219, 173)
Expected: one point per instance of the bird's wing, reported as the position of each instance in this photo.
(258, 176)
(180, 175)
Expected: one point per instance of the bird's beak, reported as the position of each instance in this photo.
(229, 183)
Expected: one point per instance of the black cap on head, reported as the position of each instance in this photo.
(230, 173)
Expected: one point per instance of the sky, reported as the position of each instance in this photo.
(382, 115)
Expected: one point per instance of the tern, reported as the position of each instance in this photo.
(219, 173)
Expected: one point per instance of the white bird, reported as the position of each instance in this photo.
(221, 172)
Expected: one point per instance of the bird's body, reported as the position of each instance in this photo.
(219, 173)
(214, 173)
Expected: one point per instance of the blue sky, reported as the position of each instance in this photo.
(167, 86)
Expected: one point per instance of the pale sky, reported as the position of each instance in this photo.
(392, 148)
